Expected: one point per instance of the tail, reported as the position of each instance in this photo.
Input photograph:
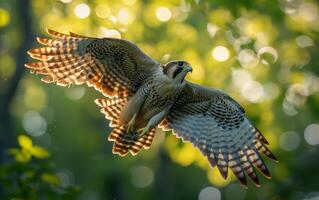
(123, 142)
(129, 142)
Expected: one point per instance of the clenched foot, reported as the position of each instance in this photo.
(144, 130)
(131, 124)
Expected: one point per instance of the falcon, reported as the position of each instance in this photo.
(141, 95)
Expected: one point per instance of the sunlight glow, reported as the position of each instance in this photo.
(312, 134)
(110, 33)
(129, 2)
(142, 176)
(308, 12)
(209, 193)
(252, 91)
(75, 93)
(102, 11)
(289, 141)
(212, 29)
(125, 17)
(247, 58)
(163, 14)
(82, 11)
(4, 17)
(34, 123)
(220, 53)
(304, 41)
(66, 1)
(267, 55)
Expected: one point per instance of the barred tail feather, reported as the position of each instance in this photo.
(123, 142)
(129, 142)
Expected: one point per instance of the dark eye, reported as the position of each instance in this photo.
(180, 63)
(177, 71)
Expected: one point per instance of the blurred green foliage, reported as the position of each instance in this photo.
(263, 53)
(30, 175)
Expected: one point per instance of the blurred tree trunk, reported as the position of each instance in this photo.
(162, 184)
(23, 10)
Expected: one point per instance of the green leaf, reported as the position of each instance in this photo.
(25, 142)
(50, 178)
(13, 151)
(39, 152)
(23, 156)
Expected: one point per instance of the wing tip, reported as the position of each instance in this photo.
(28, 65)
(223, 172)
(99, 102)
(43, 41)
(49, 31)
(270, 155)
(243, 182)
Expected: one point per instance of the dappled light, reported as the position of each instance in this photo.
(264, 54)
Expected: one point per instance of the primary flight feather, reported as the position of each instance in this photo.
(143, 94)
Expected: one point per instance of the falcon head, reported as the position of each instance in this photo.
(177, 70)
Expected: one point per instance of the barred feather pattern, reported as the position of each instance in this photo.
(219, 129)
(101, 63)
(123, 142)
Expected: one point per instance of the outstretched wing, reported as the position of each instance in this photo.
(114, 67)
(217, 125)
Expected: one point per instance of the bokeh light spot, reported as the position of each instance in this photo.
(35, 97)
(289, 141)
(7, 67)
(82, 11)
(308, 12)
(252, 91)
(240, 77)
(209, 193)
(312, 134)
(110, 33)
(247, 58)
(163, 14)
(220, 53)
(4, 17)
(304, 41)
(102, 11)
(129, 2)
(34, 124)
(125, 16)
(212, 29)
(267, 55)
(75, 93)
(271, 90)
(66, 1)
(142, 176)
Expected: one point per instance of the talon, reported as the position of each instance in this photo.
(130, 125)
(142, 131)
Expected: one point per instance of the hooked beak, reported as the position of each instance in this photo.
(189, 69)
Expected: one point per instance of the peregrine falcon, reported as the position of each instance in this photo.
(142, 94)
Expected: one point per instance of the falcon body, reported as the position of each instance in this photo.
(152, 101)
(142, 94)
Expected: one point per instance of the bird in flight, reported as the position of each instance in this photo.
(141, 94)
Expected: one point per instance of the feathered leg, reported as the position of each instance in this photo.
(153, 122)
